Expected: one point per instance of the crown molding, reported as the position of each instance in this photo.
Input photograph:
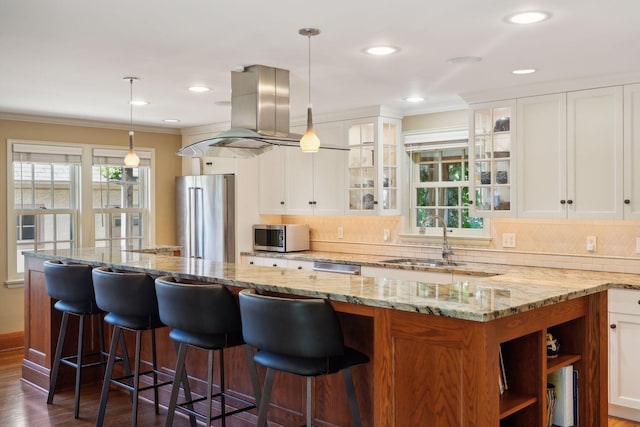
(545, 88)
(85, 123)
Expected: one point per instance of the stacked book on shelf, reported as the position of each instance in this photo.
(565, 385)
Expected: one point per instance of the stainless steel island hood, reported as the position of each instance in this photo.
(259, 117)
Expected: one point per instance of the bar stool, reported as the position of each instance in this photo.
(130, 300)
(301, 337)
(72, 286)
(205, 317)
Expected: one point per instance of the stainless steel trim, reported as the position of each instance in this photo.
(333, 267)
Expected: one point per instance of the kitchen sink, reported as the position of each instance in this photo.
(420, 262)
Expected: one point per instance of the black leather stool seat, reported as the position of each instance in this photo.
(205, 317)
(298, 336)
(72, 286)
(130, 300)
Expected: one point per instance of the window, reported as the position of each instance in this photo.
(119, 200)
(58, 206)
(440, 186)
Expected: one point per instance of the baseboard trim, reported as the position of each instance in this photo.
(12, 341)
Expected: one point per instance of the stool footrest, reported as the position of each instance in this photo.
(120, 381)
(217, 417)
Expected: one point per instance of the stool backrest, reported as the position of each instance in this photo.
(69, 282)
(127, 294)
(293, 327)
(202, 309)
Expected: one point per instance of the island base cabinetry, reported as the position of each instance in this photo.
(425, 370)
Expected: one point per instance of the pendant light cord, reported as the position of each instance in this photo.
(131, 112)
(309, 56)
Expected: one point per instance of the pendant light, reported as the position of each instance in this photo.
(131, 159)
(309, 143)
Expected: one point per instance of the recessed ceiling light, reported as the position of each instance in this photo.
(414, 99)
(464, 59)
(199, 89)
(528, 17)
(171, 120)
(381, 50)
(139, 103)
(524, 71)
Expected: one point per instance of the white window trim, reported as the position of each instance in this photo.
(85, 228)
(435, 139)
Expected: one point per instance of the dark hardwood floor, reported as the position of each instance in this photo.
(25, 405)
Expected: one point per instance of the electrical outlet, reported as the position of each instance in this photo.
(591, 243)
(385, 235)
(508, 240)
(340, 232)
(638, 245)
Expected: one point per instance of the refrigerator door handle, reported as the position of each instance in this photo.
(198, 236)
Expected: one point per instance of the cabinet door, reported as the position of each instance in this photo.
(624, 348)
(541, 161)
(491, 157)
(271, 187)
(329, 170)
(594, 143)
(299, 188)
(632, 152)
(361, 137)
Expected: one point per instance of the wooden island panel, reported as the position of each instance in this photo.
(425, 370)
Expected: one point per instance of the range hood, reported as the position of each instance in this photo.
(259, 117)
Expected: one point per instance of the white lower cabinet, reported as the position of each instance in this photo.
(279, 262)
(624, 353)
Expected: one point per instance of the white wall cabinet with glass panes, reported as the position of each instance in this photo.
(492, 146)
(374, 175)
(440, 187)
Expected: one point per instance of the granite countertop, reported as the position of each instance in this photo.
(512, 289)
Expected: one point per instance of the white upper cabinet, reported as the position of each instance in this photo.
(595, 153)
(632, 152)
(297, 183)
(570, 154)
(316, 182)
(542, 156)
(491, 159)
(374, 175)
(271, 184)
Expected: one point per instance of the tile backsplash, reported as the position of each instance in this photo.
(539, 242)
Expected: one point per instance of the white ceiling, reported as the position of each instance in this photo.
(67, 58)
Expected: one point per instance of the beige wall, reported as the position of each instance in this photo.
(168, 165)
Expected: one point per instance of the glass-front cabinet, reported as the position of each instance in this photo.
(492, 144)
(373, 166)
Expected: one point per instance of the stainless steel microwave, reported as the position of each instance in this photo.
(281, 237)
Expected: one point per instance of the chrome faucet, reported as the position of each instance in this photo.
(446, 250)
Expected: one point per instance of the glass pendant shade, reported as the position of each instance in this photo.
(309, 143)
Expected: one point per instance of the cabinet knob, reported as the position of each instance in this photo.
(282, 202)
(627, 201)
(275, 265)
(310, 202)
(570, 201)
(562, 202)
(299, 267)
(612, 326)
(251, 262)
(375, 202)
(470, 202)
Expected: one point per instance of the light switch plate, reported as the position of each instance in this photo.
(591, 243)
(508, 240)
(340, 232)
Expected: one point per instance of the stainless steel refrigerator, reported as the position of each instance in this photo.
(205, 215)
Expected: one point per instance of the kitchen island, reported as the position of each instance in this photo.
(435, 348)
